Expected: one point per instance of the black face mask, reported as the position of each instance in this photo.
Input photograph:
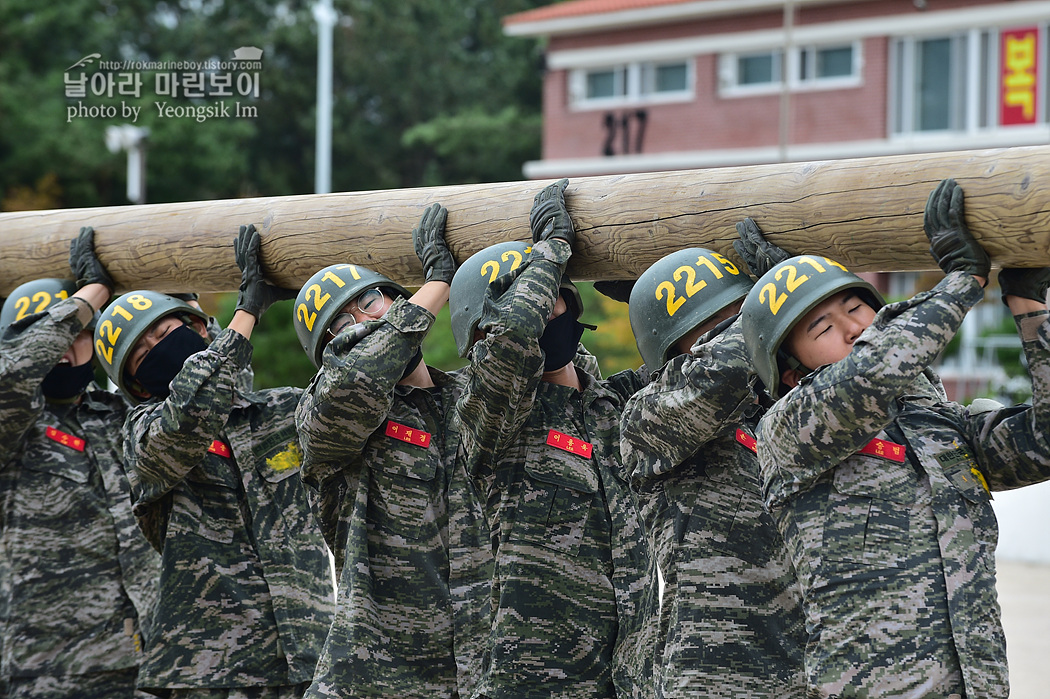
(560, 340)
(66, 381)
(166, 358)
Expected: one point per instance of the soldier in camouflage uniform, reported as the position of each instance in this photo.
(574, 580)
(881, 486)
(731, 621)
(77, 580)
(245, 586)
(379, 457)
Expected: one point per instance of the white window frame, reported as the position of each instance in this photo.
(729, 65)
(978, 110)
(633, 88)
(729, 73)
(833, 82)
(902, 76)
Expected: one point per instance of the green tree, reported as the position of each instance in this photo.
(277, 357)
(613, 342)
(426, 92)
(417, 76)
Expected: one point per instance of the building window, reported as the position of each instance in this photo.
(807, 67)
(606, 84)
(758, 69)
(981, 79)
(826, 63)
(942, 83)
(634, 83)
(664, 78)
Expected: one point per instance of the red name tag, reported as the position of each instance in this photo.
(66, 440)
(571, 444)
(747, 440)
(219, 448)
(408, 435)
(885, 450)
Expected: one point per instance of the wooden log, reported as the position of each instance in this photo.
(866, 213)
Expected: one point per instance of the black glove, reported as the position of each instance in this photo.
(758, 254)
(549, 218)
(617, 290)
(256, 294)
(950, 241)
(429, 240)
(1026, 282)
(85, 264)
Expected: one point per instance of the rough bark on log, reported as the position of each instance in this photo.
(866, 213)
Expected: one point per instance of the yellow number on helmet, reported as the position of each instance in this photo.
(306, 316)
(139, 302)
(492, 266)
(22, 306)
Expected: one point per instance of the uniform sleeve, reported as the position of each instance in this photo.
(163, 441)
(840, 407)
(628, 382)
(29, 349)
(1013, 444)
(351, 395)
(507, 364)
(689, 403)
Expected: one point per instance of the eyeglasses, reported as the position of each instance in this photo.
(369, 302)
(339, 322)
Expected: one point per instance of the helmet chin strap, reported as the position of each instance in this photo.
(793, 363)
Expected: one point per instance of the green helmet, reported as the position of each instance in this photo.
(325, 295)
(472, 279)
(678, 293)
(125, 321)
(781, 297)
(467, 295)
(34, 297)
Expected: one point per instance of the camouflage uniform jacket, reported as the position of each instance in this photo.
(379, 460)
(574, 580)
(881, 488)
(245, 585)
(731, 620)
(78, 578)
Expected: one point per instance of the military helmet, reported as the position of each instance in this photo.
(467, 295)
(125, 321)
(325, 295)
(678, 293)
(782, 296)
(472, 279)
(34, 297)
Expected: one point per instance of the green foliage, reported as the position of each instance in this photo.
(426, 92)
(439, 347)
(277, 357)
(475, 146)
(613, 342)
(440, 62)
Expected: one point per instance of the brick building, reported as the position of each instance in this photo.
(647, 85)
(644, 85)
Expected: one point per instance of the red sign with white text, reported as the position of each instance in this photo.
(408, 435)
(65, 439)
(569, 443)
(1018, 76)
